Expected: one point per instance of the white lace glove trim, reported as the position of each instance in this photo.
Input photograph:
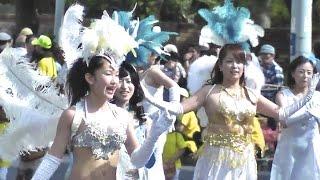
(47, 167)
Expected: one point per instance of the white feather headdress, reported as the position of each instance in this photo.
(104, 37)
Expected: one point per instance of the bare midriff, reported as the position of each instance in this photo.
(87, 167)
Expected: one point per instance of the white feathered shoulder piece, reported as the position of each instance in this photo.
(200, 71)
(254, 77)
(31, 102)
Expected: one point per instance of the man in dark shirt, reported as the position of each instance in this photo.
(273, 73)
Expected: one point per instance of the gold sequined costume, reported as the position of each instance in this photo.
(228, 151)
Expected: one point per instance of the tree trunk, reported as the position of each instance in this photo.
(26, 15)
(260, 12)
(288, 4)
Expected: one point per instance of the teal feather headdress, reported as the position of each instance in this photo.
(229, 25)
(149, 40)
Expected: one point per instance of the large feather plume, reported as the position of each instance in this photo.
(30, 101)
(70, 38)
(104, 36)
(124, 19)
(149, 40)
(229, 25)
(118, 38)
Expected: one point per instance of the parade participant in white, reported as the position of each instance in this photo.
(297, 154)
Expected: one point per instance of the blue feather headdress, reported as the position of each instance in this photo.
(229, 25)
(149, 37)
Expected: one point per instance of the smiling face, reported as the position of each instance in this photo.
(104, 81)
(302, 74)
(232, 68)
(125, 91)
(230, 65)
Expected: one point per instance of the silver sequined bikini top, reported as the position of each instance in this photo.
(104, 132)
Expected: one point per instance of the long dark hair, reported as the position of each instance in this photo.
(135, 102)
(58, 53)
(293, 66)
(77, 86)
(37, 55)
(238, 52)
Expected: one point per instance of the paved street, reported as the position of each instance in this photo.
(186, 173)
(59, 175)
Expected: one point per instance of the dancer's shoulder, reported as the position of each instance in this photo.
(252, 94)
(68, 115)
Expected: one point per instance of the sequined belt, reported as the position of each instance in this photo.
(237, 143)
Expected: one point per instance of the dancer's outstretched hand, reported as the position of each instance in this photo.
(313, 107)
(163, 123)
(172, 107)
(314, 110)
(314, 81)
(160, 123)
(312, 86)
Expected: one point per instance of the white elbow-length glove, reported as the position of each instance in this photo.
(173, 107)
(141, 155)
(174, 97)
(286, 112)
(174, 93)
(313, 107)
(297, 118)
(47, 167)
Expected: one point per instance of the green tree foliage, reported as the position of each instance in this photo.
(6, 1)
(184, 11)
(280, 14)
